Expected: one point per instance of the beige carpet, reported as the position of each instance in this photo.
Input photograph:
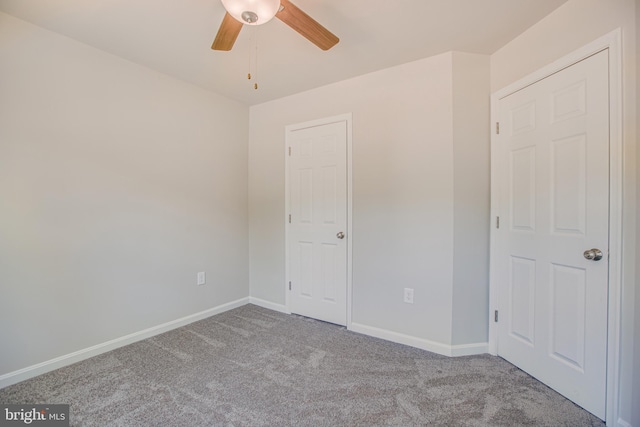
(255, 367)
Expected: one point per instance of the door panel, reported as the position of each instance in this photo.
(568, 291)
(318, 202)
(523, 189)
(568, 185)
(554, 199)
(522, 288)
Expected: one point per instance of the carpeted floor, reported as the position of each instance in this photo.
(255, 367)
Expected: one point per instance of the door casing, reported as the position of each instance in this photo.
(348, 118)
(612, 42)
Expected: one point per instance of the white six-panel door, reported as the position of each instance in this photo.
(317, 234)
(554, 205)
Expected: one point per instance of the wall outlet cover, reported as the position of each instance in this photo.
(201, 278)
(408, 295)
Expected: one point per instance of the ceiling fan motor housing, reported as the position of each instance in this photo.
(252, 12)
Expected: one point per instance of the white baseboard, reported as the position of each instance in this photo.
(77, 356)
(469, 349)
(623, 423)
(270, 305)
(432, 346)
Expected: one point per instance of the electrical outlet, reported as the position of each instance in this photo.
(201, 278)
(408, 295)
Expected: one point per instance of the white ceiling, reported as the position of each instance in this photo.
(174, 37)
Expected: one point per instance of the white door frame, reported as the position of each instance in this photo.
(349, 231)
(611, 41)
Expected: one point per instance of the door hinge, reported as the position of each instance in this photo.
(497, 222)
(289, 218)
(497, 128)
(289, 285)
(289, 151)
(495, 315)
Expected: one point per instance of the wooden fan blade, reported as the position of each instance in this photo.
(308, 27)
(227, 33)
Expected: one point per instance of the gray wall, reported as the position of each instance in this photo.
(407, 124)
(402, 192)
(117, 185)
(471, 178)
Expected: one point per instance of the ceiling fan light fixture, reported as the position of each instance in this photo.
(252, 12)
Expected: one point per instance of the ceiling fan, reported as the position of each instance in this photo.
(257, 12)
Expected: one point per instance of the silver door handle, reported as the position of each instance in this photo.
(593, 254)
(340, 235)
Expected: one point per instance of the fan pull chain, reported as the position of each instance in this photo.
(251, 40)
(255, 85)
(253, 58)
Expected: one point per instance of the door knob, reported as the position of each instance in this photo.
(340, 235)
(593, 254)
